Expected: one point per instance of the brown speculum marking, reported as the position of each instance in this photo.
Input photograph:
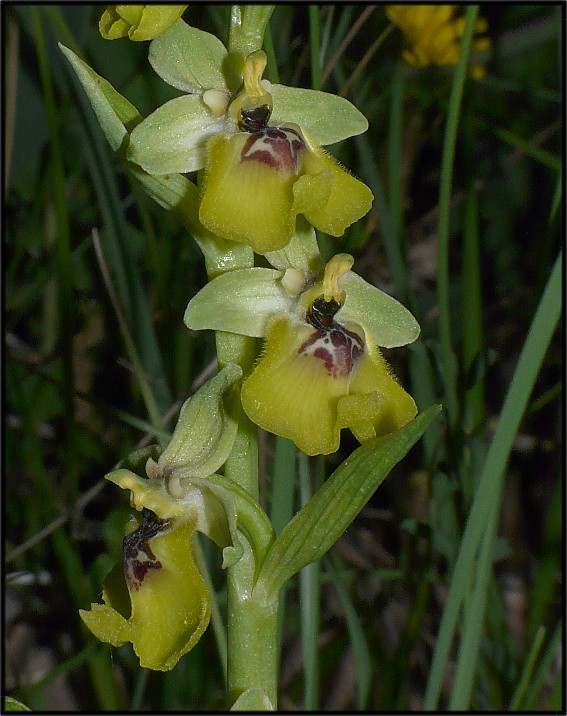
(138, 556)
(338, 348)
(277, 147)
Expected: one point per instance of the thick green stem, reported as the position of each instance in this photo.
(252, 635)
(252, 620)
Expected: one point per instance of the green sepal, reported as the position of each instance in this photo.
(385, 320)
(324, 118)
(189, 59)
(205, 431)
(320, 523)
(241, 513)
(116, 115)
(240, 301)
(172, 139)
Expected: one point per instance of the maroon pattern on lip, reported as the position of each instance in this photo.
(276, 147)
(338, 348)
(138, 556)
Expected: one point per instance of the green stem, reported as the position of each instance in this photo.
(252, 621)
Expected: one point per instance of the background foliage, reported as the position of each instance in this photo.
(359, 629)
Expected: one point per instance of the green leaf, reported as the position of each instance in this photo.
(241, 301)
(189, 59)
(325, 118)
(115, 114)
(388, 322)
(11, 704)
(172, 139)
(315, 528)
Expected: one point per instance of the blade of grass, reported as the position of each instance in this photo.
(121, 257)
(531, 702)
(315, 46)
(310, 605)
(63, 253)
(149, 399)
(217, 622)
(283, 484)
(362, 656)
(527, 671)
(487, 498)
(396, 130)
(445, 188)
(472, 307)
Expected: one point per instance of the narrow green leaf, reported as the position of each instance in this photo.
(315, 528)
(115, 114)
(527, 672)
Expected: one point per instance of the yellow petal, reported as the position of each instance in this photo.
(107, 624)
(347, 201)
(389, 410)
(246, 201)
(291, 393)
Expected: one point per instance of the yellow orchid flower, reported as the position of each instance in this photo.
(258, 180)
(319, 374)
(259, 144)
(320, 369)
(157, 598)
